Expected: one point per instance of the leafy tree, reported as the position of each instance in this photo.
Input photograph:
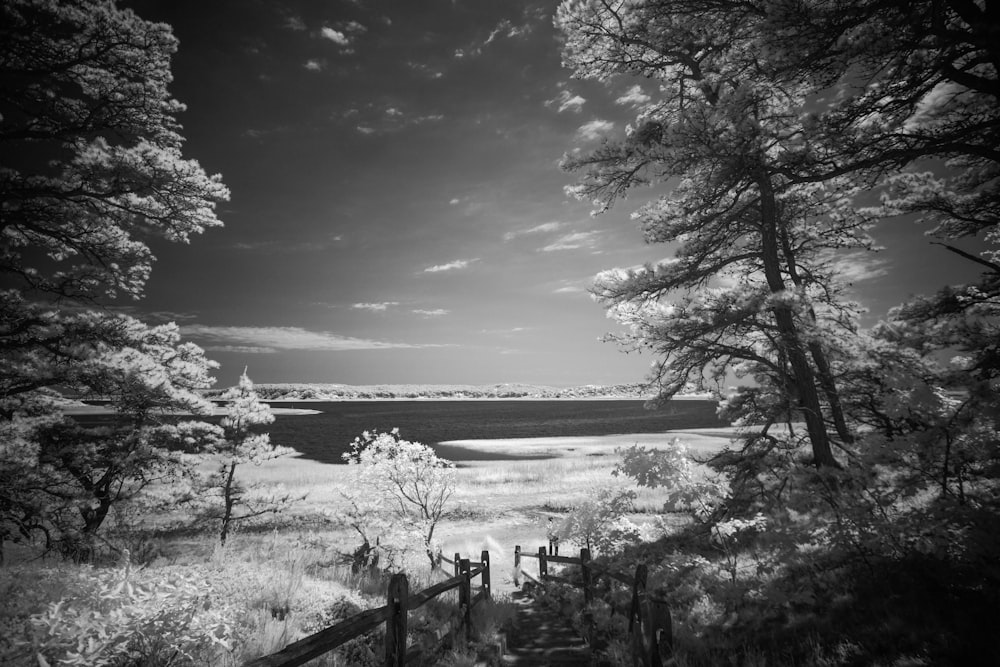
(400, 485)
(241, 443)
(753, 275)
(600, 523)
(90, 169)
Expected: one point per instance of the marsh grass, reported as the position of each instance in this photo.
(290, 579)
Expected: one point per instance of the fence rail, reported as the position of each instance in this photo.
(649, 623)
(399, 603)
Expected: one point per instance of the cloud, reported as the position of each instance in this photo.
(857, 266)
(633, 97)
(566, 101)
(375, 307)
(240, 349)
(383, 118)
(504, 29)
(425, 70)
(451, 266)
(313, 65)
(295, 23)
(545, 227)
(306, 245)
(569, 289)
(454, 200)
(264, 339)
(503, 332)
(573, 241)
(595, 129)
(335, 36)
(437, 312)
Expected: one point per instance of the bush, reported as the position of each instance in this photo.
(115, 616)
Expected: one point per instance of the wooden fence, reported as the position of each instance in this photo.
(399, 601)
(649, 624)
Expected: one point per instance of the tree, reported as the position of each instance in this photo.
(241, 443)
(399, 484)
(753, 274)
(90, 168)
(601, 524)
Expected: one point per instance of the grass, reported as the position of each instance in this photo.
(286, 582)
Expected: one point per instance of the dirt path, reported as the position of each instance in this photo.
(543, 637)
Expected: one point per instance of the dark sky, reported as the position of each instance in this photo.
(397, 211)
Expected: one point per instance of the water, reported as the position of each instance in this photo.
(325, 436)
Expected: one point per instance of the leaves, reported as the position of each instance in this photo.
(400, 490)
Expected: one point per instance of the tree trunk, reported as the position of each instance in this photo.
(818, 354)
(227, 512)
(805, 380)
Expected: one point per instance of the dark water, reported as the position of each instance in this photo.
(324, 437)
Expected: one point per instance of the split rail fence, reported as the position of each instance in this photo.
(649, 622)
(399, 601)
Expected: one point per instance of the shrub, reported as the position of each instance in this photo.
(114, 616)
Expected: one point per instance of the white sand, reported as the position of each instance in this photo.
(705, 439)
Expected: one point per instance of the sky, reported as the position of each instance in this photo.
(398, 213)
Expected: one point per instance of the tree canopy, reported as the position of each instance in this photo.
(773, 119)
(91, 170)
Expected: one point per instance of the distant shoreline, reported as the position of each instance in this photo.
(99, 407)
(347, 399)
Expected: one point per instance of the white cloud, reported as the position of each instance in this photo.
(454, 200)
(375, 307)
(335, 36)
(573, 241)
(569, 289)
(240, 349)
(633, 97)
(595, 129)
(544, 228)
(566, 101)
(295, 23)
(313, 65)
(857, 266)
(425, 70)
(450, 266)
(283, 338)
(437, 312)
(364, 129)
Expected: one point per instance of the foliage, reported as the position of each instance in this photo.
(753, 287)
(776, 126)
(693, 489)
(600, 524)
(91, 171)
(399, 493)
(65, 476)
(240, 443)
(110, 616)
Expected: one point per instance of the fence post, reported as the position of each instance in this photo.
(517, 566)
(660, 632)
(543, 564)
(639, 652)
(486, 574)
(395, 625)
(588, 594)
(458, 557)
(465, 598)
